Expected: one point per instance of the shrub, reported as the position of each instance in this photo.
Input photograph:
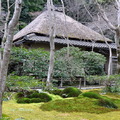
(45, 97)
(19, 95)
(23, 100)
(71, 92)
(35, 100)
(25, 93)
(106, 103)
(91, 95)
(32, 97)
(24, 62)
(18, 83)
(56, 92)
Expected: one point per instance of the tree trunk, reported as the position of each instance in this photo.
(52, 26)
(7, 49)
(0, 9)
(117, 41)
(0, 103)
(51, 63)
(118, 66)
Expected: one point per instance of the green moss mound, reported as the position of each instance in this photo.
(106, 102)
(102, 100)
(92, 95)
(83, 104)
(32, 97)
(71, 92)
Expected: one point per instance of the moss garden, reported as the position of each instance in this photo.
(69, 103)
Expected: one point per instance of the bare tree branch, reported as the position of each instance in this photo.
(6, 25)
(110, 50)
(104, 16)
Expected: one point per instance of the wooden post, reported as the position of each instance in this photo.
(79, 79)
(79, 83)
(84, 82)
(61, 84)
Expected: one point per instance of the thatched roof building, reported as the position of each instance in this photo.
(36, 34)
(64, 24)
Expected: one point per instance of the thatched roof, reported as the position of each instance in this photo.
(65, 27)
(33, 38)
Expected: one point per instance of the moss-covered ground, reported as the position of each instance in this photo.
(80, 109)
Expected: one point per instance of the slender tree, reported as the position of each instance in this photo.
(7, 48)
(52, 31)
(51, 14)
(114, 28)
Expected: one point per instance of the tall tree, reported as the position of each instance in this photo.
(114, 28)
(52, 29)
(7, 48)
(51, 14)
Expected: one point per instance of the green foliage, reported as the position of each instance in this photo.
(29, 62)
(25, 93)
(78, 63)
(19, 95)
(67, 66)
(31, 100)
(56, 92)
(22, 82)
(35, 62)
(91, 95)
(95, 78)
(113, 82)
(93, 63)
(106, 102)
(32, 97)
(25, 16)
(23, 100)
(71, 92)
(27, 7)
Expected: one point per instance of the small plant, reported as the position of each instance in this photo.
(71, 92)
(106, 103)
(91, 95)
